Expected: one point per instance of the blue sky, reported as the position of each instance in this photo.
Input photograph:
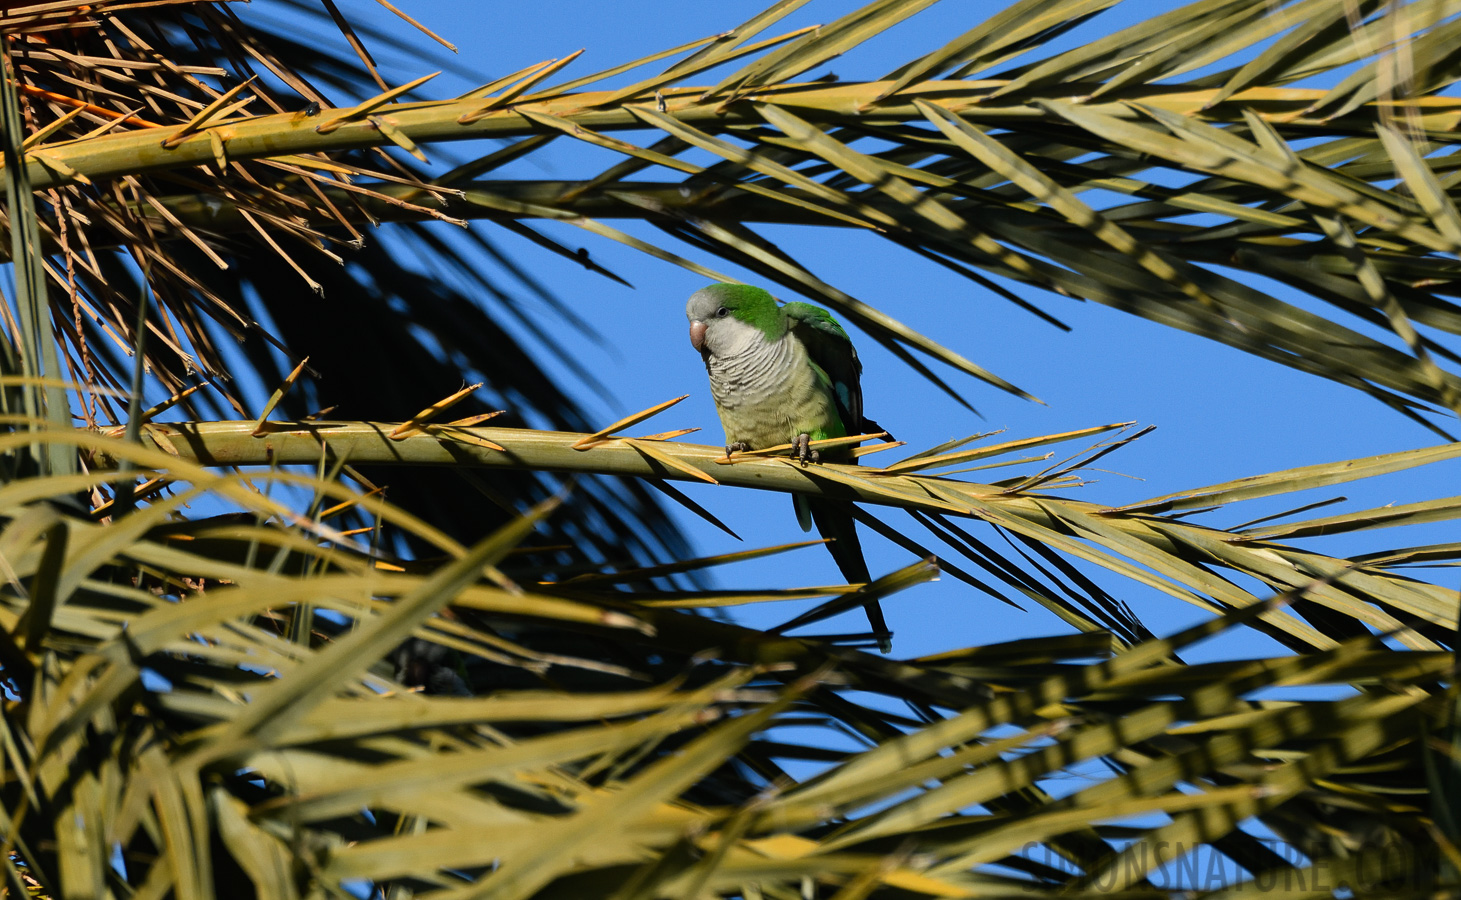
(1220, 414)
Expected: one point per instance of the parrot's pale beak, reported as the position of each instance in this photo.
(697, 335)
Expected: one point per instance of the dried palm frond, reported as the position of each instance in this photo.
(153, 69)
(993, 172)
(257, 704)
(1149, 542)
(194, 706)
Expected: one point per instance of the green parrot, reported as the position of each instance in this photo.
(787, 374)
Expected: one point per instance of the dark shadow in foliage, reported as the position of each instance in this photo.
(386, 342)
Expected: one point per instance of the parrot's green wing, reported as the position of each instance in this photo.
(830, 349)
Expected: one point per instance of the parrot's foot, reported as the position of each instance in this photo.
(737, 447)
(801, 448)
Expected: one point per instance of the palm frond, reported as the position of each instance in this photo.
(1150, 542)
(163, 703)
(1032, 155)
(311, 690)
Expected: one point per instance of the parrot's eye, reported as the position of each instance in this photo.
(720, 313)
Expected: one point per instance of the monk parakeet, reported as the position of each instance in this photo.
(787, 374)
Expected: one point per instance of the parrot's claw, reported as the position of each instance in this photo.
(801, 448)
(737, 447)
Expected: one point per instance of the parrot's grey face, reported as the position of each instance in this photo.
(714, 331)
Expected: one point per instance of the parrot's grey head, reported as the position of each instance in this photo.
(725, 315)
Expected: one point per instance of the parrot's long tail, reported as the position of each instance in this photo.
(834, 520)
